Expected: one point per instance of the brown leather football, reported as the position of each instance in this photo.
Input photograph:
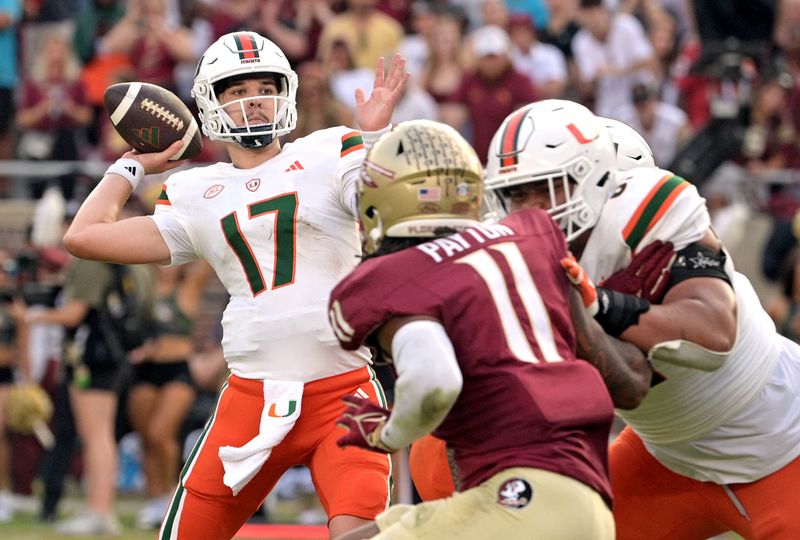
(151, 118)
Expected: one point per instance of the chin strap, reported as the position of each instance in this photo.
(252, 141)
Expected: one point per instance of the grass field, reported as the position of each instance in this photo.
(25, 525)
(284, 513)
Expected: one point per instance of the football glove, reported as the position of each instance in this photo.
(581, 280)
(364, 421)
(647, 275)
(617, 311)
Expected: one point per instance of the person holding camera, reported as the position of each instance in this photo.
(107, 310)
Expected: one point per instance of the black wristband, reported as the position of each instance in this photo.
(617, 311)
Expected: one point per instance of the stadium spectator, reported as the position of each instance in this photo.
(414, 104)
(612, 53)
(649, 11)
(369, 33)
(787, 41)
(309, 17)
(492, 92)
(561, 26)
(227, 16)
(543, 63)
(96, 298)
(444, 70)
(101, 69)
(415, 46)
(670, 50)
(278, 238)
(317, 107)
(92, 22)
(154, 44)
(43, 20)
(161, 389)
(13, 360)
(536, 10)
(343, 74)
(10, 14)
(494, 13)
(665, 127)
(53, 111)
(272, 24)
(471, 351)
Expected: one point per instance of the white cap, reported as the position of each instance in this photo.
(490, 39)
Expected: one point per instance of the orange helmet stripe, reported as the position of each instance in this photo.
(509, 140)
(247, 45)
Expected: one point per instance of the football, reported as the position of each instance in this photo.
(151, 118)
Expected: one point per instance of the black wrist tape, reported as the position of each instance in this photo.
(618, 310)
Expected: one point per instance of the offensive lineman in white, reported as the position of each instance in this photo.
(278, 225)
(715, 444)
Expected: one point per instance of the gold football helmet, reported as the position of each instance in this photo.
(418, 177)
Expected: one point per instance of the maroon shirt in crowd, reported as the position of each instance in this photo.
(512, 412)
(153, 63)
(490, 102)
(58, 92)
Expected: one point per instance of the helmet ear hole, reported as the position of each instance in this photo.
(370, 212)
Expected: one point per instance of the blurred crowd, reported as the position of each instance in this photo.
(713, 87)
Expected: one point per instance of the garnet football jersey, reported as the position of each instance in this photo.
(279, 236)
(502, 296)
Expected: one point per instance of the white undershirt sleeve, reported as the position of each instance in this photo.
(428, 382)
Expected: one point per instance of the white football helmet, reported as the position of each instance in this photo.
(559, 142)
(243, 54)
(632, 150)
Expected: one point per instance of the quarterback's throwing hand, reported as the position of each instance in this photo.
(647, 276)
(364, 421)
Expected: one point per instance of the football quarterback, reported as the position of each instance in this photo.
(278, 224)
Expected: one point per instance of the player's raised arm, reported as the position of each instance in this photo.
(97, 233)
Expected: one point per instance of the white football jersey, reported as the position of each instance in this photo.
(279, 236)
(740, 422)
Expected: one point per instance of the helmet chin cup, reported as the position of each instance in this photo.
(252, 141)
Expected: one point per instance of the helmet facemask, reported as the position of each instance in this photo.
(559, 193)
(254, 132)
